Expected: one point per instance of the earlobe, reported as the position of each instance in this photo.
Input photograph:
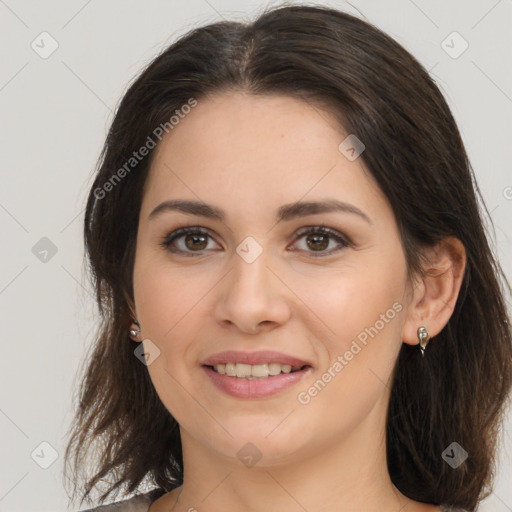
(134, 331)
(423, 338)
(436, 293)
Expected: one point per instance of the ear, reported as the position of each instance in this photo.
(435, 293)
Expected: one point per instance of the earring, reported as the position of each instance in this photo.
(134, 332)
(423, 337)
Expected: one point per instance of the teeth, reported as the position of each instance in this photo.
(255, 371)
(260, 370)
(274, 368)
(243, 370)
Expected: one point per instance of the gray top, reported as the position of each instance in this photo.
(141, 503)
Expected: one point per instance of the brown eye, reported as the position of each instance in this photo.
(192, 241)
(196, 242)
(318, 238)
(187, 241)
(317, 242)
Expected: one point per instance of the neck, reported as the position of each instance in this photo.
(344, 474)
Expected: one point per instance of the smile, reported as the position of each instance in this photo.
(245, 385)
(256, 371)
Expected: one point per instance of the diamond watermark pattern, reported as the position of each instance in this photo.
(454, 45)
(351, 147)
(454, 455)
(44, 250)
(249, 455)
(147, 352)
(44, 45)
(249, 250)
(44, 455)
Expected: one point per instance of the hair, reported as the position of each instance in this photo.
(413, 150)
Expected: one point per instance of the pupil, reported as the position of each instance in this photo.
(193, 240)
(318, 241)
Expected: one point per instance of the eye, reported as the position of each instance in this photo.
(190, 240)
(187, 241)
(319, 238)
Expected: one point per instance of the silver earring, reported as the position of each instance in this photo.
(135, 332)
(423, 337)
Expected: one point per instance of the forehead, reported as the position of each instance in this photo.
(250, 130)
(257, 149)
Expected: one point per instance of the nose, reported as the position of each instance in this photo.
(252, 297)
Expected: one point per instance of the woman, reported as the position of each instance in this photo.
(300, 309)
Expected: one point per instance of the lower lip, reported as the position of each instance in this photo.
(256, 388)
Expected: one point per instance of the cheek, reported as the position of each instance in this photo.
(350, 300)
(364, 311)
(168, 302)
(166, 298)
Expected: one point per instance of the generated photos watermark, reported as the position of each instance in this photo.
(145, 149)
(305, 397)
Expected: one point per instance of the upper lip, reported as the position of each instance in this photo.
(259, 357)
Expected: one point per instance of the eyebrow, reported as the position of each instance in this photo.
(286, 212)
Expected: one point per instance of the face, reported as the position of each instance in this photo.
(272, 281)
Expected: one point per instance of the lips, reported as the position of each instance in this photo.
(250, 375)
(254, 358)
(246, 388)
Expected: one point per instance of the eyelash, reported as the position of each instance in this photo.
(196, 230)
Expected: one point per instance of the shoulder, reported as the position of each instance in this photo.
(139, 503)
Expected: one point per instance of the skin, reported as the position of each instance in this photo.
(249, 156)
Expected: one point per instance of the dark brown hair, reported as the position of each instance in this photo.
(414, 152)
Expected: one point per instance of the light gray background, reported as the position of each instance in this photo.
(55, 114)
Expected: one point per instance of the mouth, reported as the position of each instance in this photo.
(245, 385)
(251, 375)
(255, 371)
